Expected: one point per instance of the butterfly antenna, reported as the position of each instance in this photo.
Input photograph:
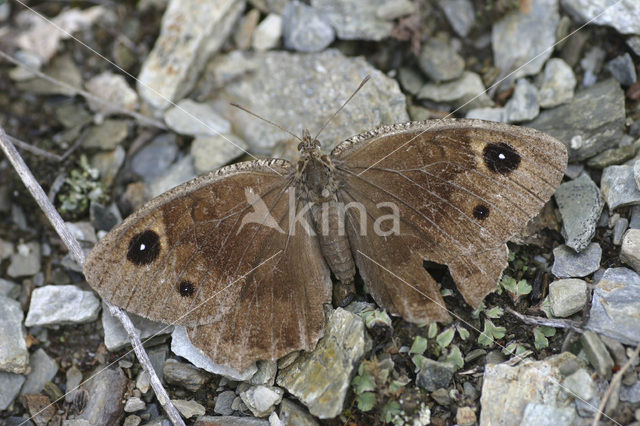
(264, 119)
(364, 81)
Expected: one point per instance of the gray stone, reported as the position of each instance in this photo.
(223, 403)
(266, 374)
(154, 159)
(74, 378)
(567, 296)
(181, 51)
(627, 393)
(558, 83)
(26, 260)
(440, 61)
(630, 250)
(10, 384)
(261, 399)
(180, 172)
(568, 264)
(192, 118)
(592, 122)
(61, 304)
(615, 307)
(507, 390)
(134, 404)
(106, 135)
(6, 249)
(292, 414)
(580, 384)
(634, 43)
(355, 20)
(580, 205)
(212, 152)
(619, 187)
(591, 63)
(619, 229)
(181, 346)
(623, 69)
(410, 80)
(624, 16)
(185, 375)
(268, 33)
(634, 222)
(82, 231)
(342, 345)
(460, 15)
(106, 390)
(597, 354)
(189, 409)
(612, 156)
(395, 9)
(62, 68)
(14, 357)
(434, 375)
(115, 92)
(489, 114)
(521, 40)
(230, 421)
(108, 164)
(523, 105)
(574, 171)
(305, 29)
(116, 338)
(131, 420)
(316, 100)
(466, 93)
(9, 289)
(548, 415)
(43, 369)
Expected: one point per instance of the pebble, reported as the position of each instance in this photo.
(261, 400)
(627, 393)
(523, 105)
(223, 403)
(181, 51)
(395, 9)
(185, 375)
(74, 378)
(580, 205)
(623, 16)
(440, 61)
(590, 123)
(230, 421)
(212, 152)
(116, 338)
(355, 20)
(465, 416)
(305, 29)
(9, 289)
(615, 306)
(460, 15)
(410, 80)
(434, 375)
(192, 118)
(156, 157)
(61, 68)
(245, 28)
(619, 229)
(180, 172)
(489, 114)
(268, 33)
(292, 414)
(618, 186)
(132, 420)
(521, 40)
(597, 354)
(612, 156)
(43, 369)
(190, 408)
(579, 384)
(266, 374)
(623, 69)
(634, 43)
(543, 414)
(6, 249)
(568, 296)
(26, 260)
(105, 392)
(630, 250)
(558, 84)
(465, 93)
(592, 63)
(14, 357)
(134, 404)
(61, 304)
(568, 264)
(10, 384)
(115, 92)
(107, 135)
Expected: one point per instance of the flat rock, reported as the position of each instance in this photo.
(181, 346)
(189, 408)
(105, 403)
(630, 250)
(568, 264)
(623, 69)
(223, 403)
(597, 353)
(580, 384)
(185, 375)
(619, 187)
(489, 114)
(465, 93)
(292, 414)
(624, 16)
(10, 384)
(106, 135)
(43, 369)
(268, 33)
(568, 296)
(460, 15)
(26, 260)
(523, 104)
(434, 375)
(191, 32)
(558, 83)
(590, 123)
(192, 118)
(548, 415)
(580, 205)
(9, 289)
(615, 307)
(355, 19)
(612, 157)
(212, 152)
(115, 91)
(180, 172)
(230, 421)
(261, 399)
(341, 347)
(14, 357)
(521, 40)
(156, 157)
(305, 28)
(440, 61)
(115, 337)
(61, 304)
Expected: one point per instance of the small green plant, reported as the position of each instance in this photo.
(490, 333)
(81, 187)
(455, 358)
(375, 317)
(514, 348)
(419, 345)
(540, 335)
(515, 288)
(495, 312)
(433, 329)
(462, 332)
(446, 337)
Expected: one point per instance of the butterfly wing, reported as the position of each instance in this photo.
(216, 255)
(461, 188)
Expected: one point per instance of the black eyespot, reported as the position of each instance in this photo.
(501, 158)
(144, 248)
(186, 289)
(481, 212)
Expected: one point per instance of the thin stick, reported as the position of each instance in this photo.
(614, 382)
(34, 149)
(555, 323)
(264, 119)
(77, 254)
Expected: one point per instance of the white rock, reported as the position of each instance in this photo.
(261, 400)
(61, 304)
(268, 33)
(195, 119)
(630, 250)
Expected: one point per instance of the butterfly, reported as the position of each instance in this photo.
(243, 257)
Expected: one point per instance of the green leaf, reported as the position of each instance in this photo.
(419, 345)
(391, 409)
(495, 312)
(476, 313)
(445, 338)
(490, 333)
(362, 383)
(514, 348)
(398, 384)
(366, 401)
(540, 335)
(433, 329)
(462, 332)
(418, 360)
(376, 318)
(523, 288)
(446, 292)
(455, 358)
(508, 284)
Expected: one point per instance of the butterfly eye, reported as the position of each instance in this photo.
(186, 289)
(481, 212)
(501, 158)
(300, 146)
(144, 248)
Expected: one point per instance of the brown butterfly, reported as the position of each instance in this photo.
(243, 256)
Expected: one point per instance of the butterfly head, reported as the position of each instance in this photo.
(308, 144)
